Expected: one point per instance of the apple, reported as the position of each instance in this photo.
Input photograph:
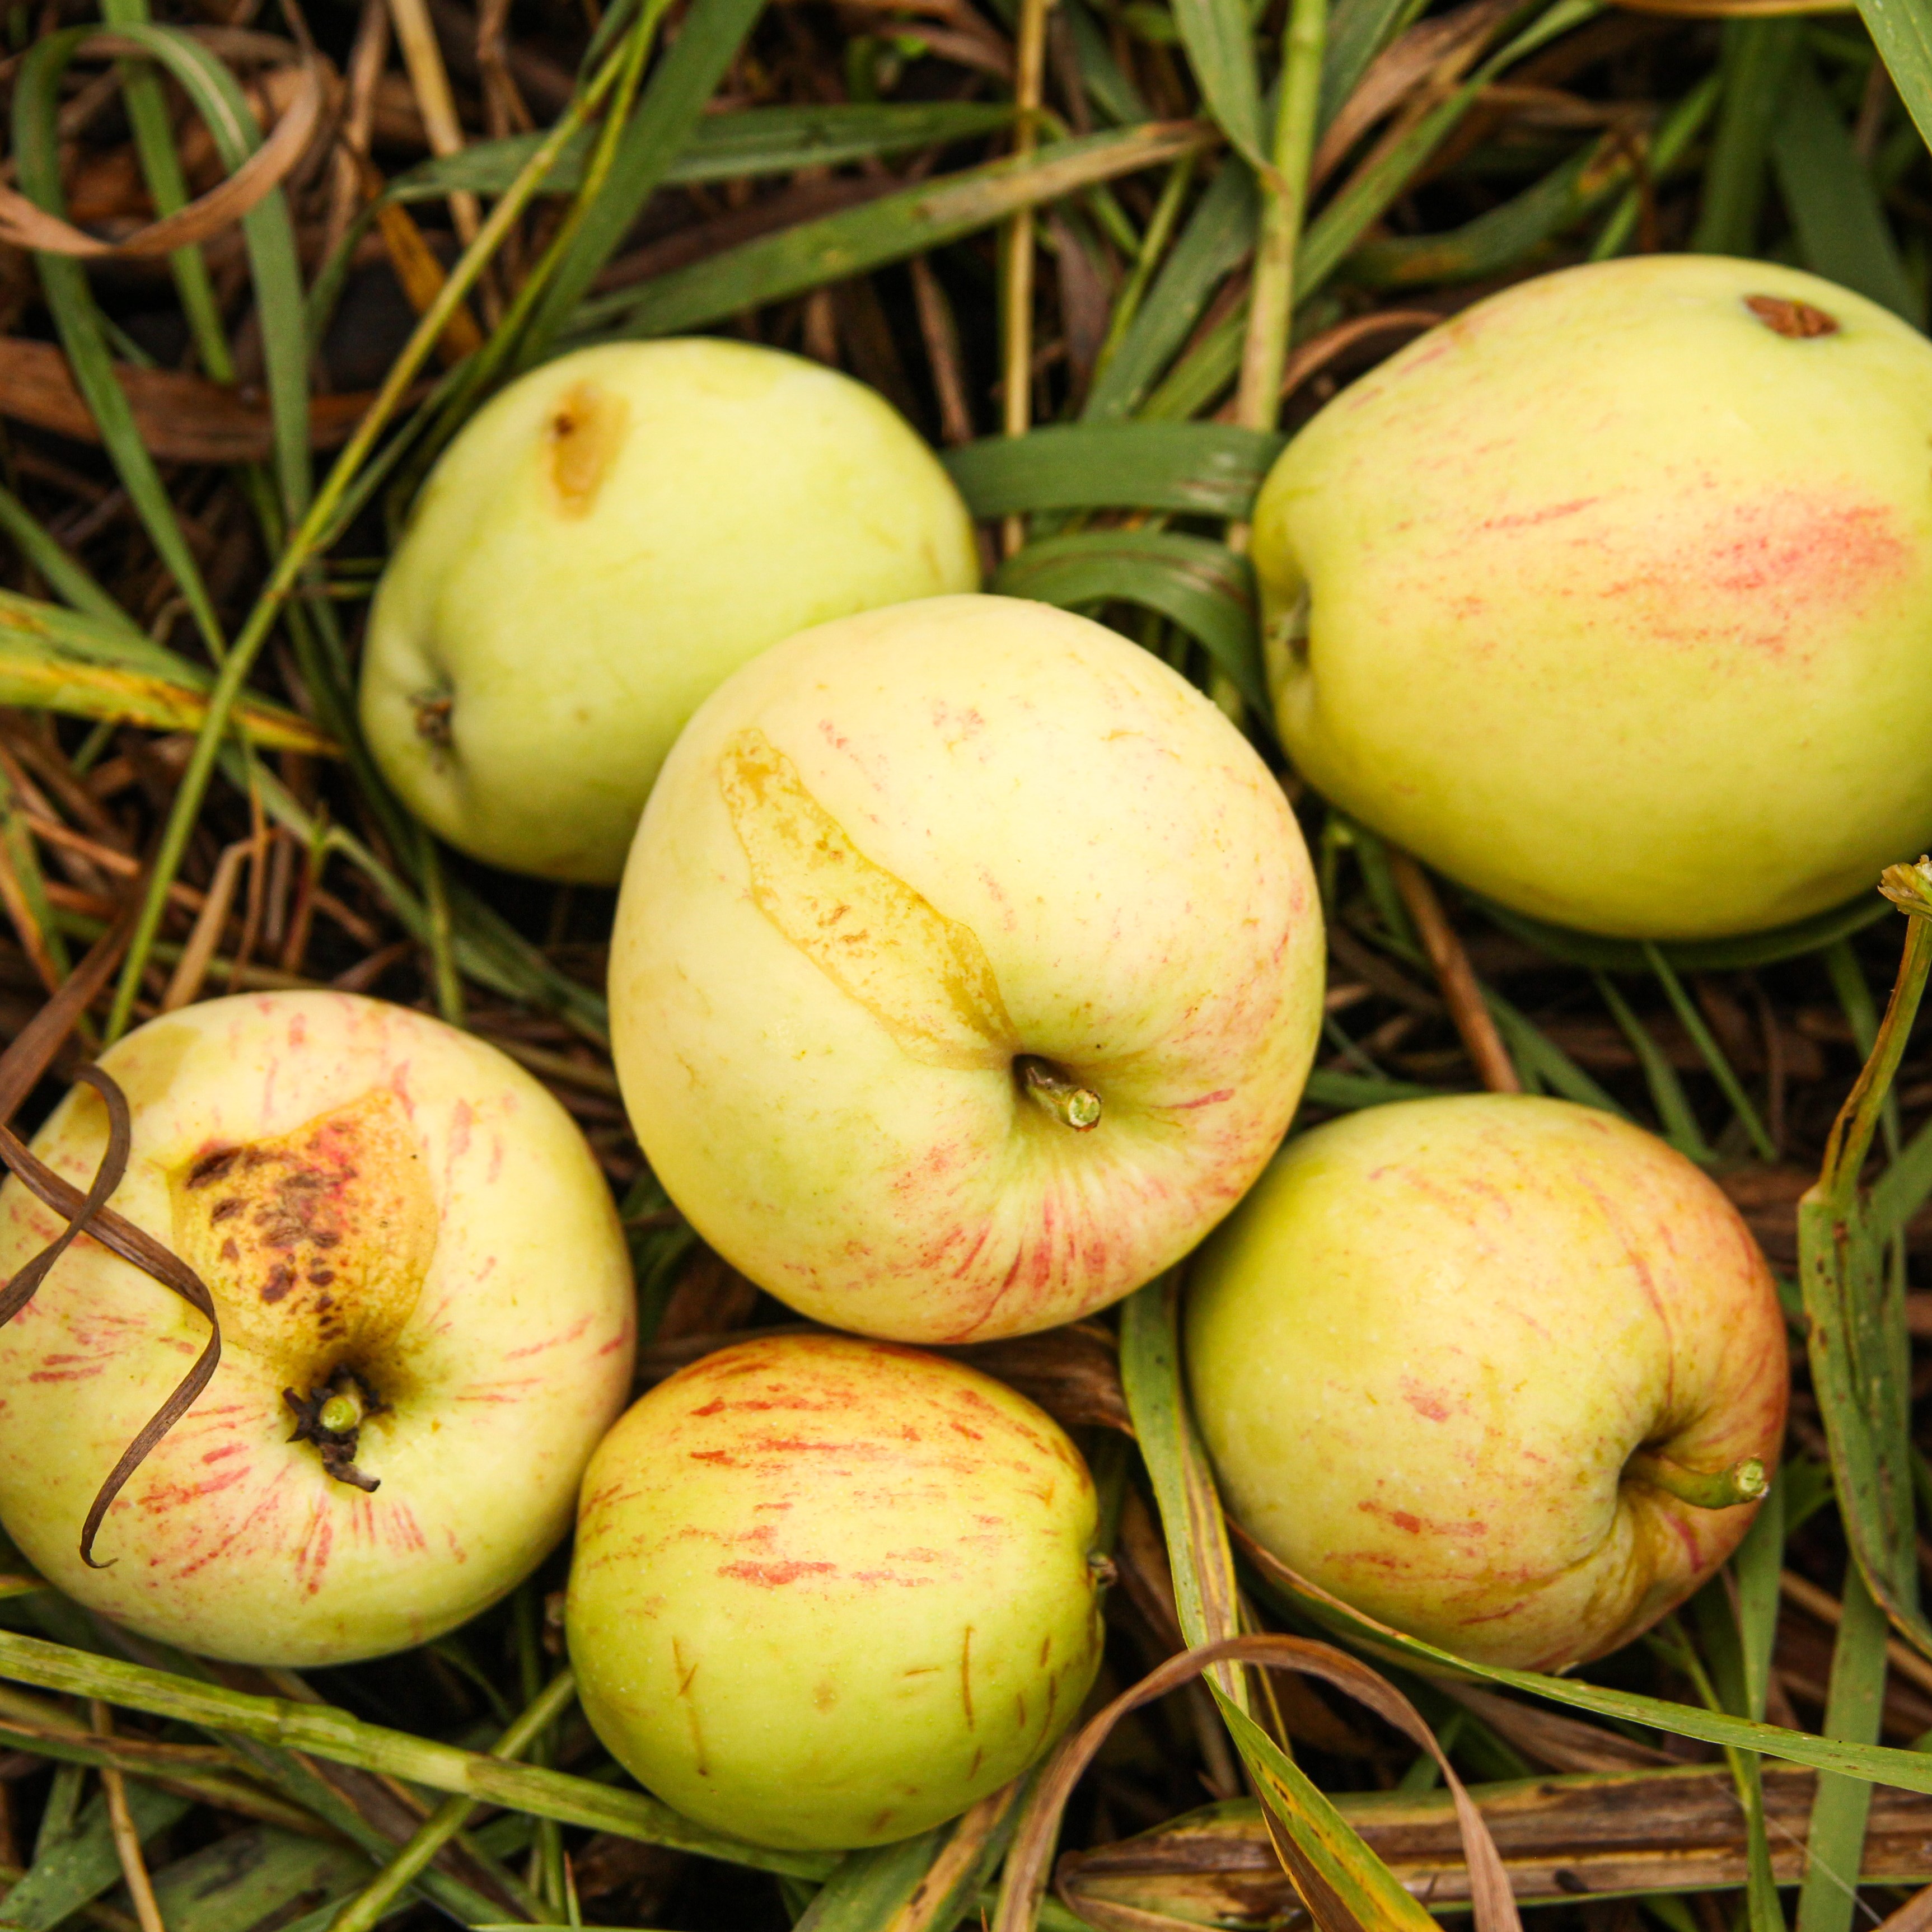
(1609, 597)
(605, 542)
(427, 1322)
(1501, 1371)
(968, 968)
(828, 1592)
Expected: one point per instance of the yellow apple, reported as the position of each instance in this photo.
(967, 970)
(828, 1592)
(1612, 597)
(1464, 1362)
(427, 1322)
(606, 541)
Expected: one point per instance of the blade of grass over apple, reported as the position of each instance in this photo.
(1859, 1350)
(1842, 230)
(1346, 1887)
(1201, 585)
(1209, 469)
(1876, 1764)
(323, 1731)
(837, 246)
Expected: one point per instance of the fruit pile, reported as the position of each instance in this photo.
(966, 979)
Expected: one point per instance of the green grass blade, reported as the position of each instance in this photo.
(1842, 229)
(1835, 1845)
(1503, 238)
(1350, 1092)
(1902, 31)
(1713, 1054)
(1757, 57)
(1674, 1112)
(724, 147)
(64, 573)
(322, 1730)
(837, 247)
(1221, 50)
(1681, 126)
(870, 1889)
(54, 659)
(1537, 1054)
(1204, 469)
(239, 1882)
(1216, 237)
(1108, 87)
(666, 114)
(77, 320)
(1358, 30)
(1716, 955)
(1878, 1764)
(1201, 585)
(75, 1867)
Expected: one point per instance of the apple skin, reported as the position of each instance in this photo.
(1424, 1347)
(829, 1592)
(411, 1204)
(1618, 599)
(604, 544)
(892, 854)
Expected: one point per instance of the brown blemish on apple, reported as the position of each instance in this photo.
(966, 1676)
(1797, 320)
(582, 436)
(315, 1243)
(924, 977)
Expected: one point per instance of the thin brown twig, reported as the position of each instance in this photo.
(1453, 974)
(127, 1839)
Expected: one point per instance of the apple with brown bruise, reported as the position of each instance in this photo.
(1611, 596)
(607, 541)
(427, 1322)
(967, 970)
(829, 1592)
(1505, 1372)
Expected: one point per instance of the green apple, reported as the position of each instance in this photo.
(1496, 1369)
(967, 970)
(1612, 597)
(604, 543)
(829, 1592)
(427, 1322)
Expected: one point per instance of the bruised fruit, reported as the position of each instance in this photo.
(605, 542)
(967, 970)
(426, 1316)
(828, 1592)
(1611, 596)
(1505, 1372)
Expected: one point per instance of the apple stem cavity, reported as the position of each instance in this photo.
(331, 1418)
(1743, 1482)
(1063, 1096)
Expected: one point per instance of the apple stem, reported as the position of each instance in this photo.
(342, 1413)
(1063, 1096)
(1743, 1482)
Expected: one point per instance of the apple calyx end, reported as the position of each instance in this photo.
(1745, 1481)
(331, 1417)
(432, 710)
(1057, 1093)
